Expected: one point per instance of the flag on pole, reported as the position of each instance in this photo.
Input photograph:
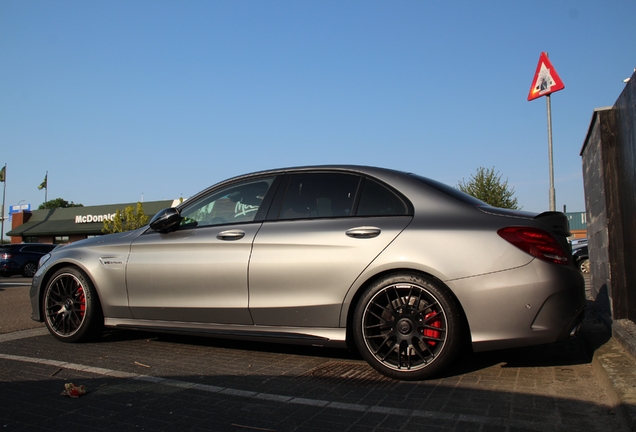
(43, 185)
(3, 174)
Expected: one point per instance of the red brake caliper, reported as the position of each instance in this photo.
(82, 299)
(430, 332)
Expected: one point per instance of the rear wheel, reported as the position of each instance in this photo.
(407, 327)
(71, 308)
(29, 269)
(584, 266)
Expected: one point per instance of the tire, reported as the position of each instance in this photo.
(71, 307)
(29, 269)
(584, 265)
(408, 327)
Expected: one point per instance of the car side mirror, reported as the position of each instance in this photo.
(166, 220)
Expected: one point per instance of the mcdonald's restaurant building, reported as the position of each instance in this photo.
(68, 225)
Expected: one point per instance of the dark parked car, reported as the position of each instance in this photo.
(22, 258)
(578, 242)
(581, 258)
(406, 268)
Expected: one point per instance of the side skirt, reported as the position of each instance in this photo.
(324, 337)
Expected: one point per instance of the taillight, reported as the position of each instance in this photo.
(536, 242)
(5, 256)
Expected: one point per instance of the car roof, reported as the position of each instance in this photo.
(384, 174)
(360, 169)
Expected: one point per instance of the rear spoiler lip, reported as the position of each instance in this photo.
(557, 222)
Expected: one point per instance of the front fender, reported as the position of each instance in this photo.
(104, 266)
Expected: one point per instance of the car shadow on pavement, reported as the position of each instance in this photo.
(572, 351)
(227, 343)
(576, 350)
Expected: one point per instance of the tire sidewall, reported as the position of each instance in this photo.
(454, 325)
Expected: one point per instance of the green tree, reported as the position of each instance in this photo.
(129, 219)
(486, 185)
(58, 203)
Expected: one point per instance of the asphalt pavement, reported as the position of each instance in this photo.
(144, 381)
(15, 305)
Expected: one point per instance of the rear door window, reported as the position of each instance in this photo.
(319, 195)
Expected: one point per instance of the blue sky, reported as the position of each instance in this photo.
(128, 100)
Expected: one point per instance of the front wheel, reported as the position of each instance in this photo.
(407, 327)
(71, 308)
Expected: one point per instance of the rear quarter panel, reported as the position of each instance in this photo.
(499, 287)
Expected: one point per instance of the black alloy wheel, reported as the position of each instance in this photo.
(407, 327)
(71, 308)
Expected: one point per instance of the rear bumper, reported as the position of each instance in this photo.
(561, 310)
(572, 329)
(9, 268)
(530, 305)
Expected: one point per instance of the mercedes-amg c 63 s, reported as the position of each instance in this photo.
(405, 268)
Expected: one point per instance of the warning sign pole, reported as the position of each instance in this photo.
(545, 82)
(551, 163)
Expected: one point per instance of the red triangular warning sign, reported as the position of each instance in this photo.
(546, 80)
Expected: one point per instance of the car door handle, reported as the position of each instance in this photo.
(230, 235)
(363, 232)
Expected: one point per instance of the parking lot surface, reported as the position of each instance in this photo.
(144, 381)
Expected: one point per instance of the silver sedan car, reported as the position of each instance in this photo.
(405, 268)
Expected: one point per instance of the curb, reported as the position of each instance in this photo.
(614, 359)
